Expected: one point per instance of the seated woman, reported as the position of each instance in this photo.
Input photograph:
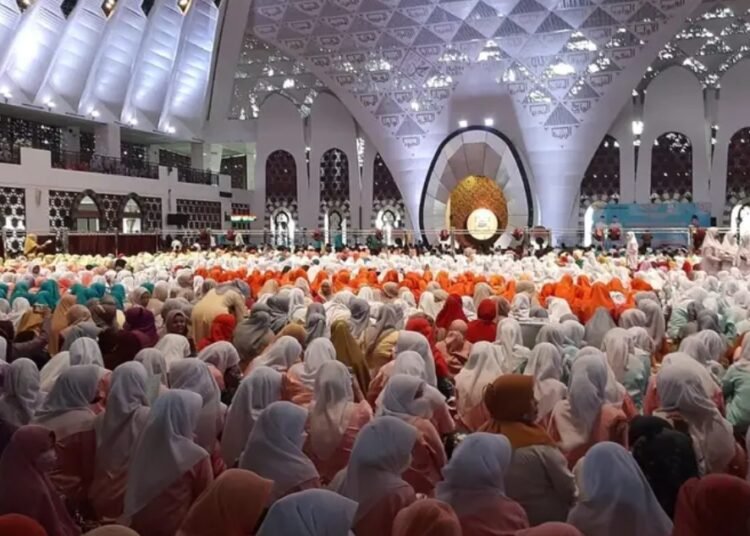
(545, 366)
(372, 478)
(714, 504)
(404, 397)
(474, 486)
(537, 477)
(312, 512)
(274, 450)
(234, 503)
(686, 406)
(67, 412)
(222, 356)
(256, 392)
(585, 418)
(337, 413)
(195, 375)
(26, 462)
(380, 340)
(454, 347)
(485, 364)
(118, 430)
(427, 517)
(736, 387)
(485, 326)
(299, 380)
(616, 499)
(168, 471)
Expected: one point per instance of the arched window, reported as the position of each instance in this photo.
(738, 172)
(601, 183)
(385, 195)
(334, 195)
(672, 169)
(281, 187)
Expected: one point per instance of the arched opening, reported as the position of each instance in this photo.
(132, 217)
(600, 184)
(479, 151)
(672, 169)
(282, 228)
(86, 215)
(387, 220)
(385, 196)
(738, 173)
(281, 192)
(334, 196)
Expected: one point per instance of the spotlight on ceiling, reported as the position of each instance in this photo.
(463, 123)
(489, 122)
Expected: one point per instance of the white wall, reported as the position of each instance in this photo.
(674, 103)
(38, 177)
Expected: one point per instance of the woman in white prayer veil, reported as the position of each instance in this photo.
(711, 251)
(118, 430)
(557, 308)
(194, 375)
(632, 250)
(85, 351)
(174, 347)
(520, 307)
(156, 368)
(510, 338)
(729, 250)
(256, 392)
(336, 416)
(545, 364)
(428, 305)
(300, 378)
(367, 294)
(742, 260)
(274, 450)
(372, 478)
(297, 305)
(168, 470)
(338, 307)
(411, 340)
(470, 309)
(21, 396)
(598, 326)
(616, 499)
(485, 364)
(684, 402)
(313, 512)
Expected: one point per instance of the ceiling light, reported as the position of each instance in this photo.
(637, 128)
(488, 122)
(562, 69)
(463, 123)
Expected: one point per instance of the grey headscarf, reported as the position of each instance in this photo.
(278, 309)
(597, 327)
(360, 318)
(633, 318)
(315, 326)
(390, 318)
(253, 333)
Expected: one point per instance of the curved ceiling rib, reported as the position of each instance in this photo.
(184, 106)
(66, 78)
(107, 83)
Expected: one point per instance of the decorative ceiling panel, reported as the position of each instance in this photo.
(402, 59)
(709, 44)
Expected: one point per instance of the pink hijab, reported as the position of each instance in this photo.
(32, 494)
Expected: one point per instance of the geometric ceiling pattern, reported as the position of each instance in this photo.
(262, 70)
(709, 44)
(402, 59)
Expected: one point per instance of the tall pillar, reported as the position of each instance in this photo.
(206, 156)
(153, 154)
(250, 168)
(107, 140)
(71, 139)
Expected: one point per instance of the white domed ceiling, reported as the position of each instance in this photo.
(565, 68)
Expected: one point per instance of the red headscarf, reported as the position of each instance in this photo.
(715, 504)
(18, 525)
(484, 327)
(423, 326)
(222, 329)
(453, 309)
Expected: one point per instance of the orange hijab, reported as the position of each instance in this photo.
(231, 506)
(428, 517)
(509, 401)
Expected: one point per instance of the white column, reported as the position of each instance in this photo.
(107, 140)
(206, 156)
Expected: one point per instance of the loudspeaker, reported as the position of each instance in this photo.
(180, 220)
